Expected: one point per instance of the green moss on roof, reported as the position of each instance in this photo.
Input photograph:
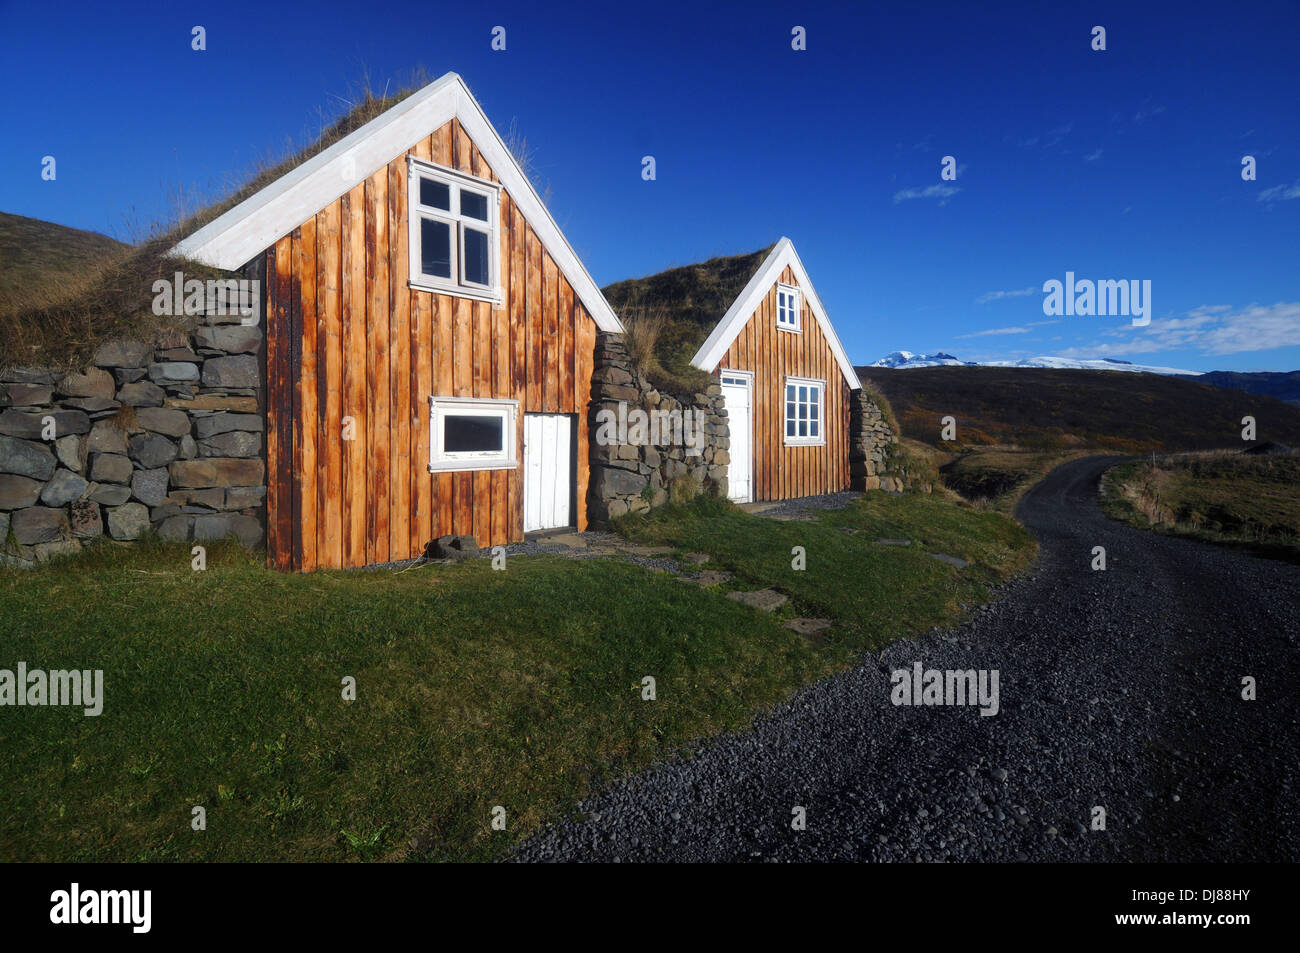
(690, 300)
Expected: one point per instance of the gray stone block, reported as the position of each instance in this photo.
(31, 424)
(40, 524)
(64, 487)
(110, 468)
(108, 494)
(26, 458)
(238, 371)
(173, 372)
(226, 422)
(128, 521)
(18, 492)
(142, 394)
(149, 486)
(172, 423)
(151, 450)
(236, 443)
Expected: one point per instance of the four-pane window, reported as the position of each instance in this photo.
(453, 232)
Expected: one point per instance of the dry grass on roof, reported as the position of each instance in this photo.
(83, 288)
(668, 315)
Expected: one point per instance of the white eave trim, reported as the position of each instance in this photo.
(733, 322)
(257, 223)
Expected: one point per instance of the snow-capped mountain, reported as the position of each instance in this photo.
(906, 359)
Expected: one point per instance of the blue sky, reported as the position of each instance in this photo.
(1117, 164)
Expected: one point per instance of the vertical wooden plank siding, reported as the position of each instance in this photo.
(353, 351)
(782, 472)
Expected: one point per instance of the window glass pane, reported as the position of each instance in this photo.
(435, 194)
(803, 428)
(803, 393)
(812, 428)
(470, 433)
(435, 248)
(789, 428)
(476, 257)
(789, 392)
(812, 394)
(803, 411)
(789, 411)
(473, 205)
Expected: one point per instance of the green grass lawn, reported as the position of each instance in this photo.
(1248, 501)
(475, 688)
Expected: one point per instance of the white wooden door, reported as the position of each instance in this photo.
(548, 471)
(736, 390)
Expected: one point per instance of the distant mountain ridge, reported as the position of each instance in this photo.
(908, 359)
(1284, 385)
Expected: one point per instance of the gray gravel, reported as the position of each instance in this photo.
(1118, 689)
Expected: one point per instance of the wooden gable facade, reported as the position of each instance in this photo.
(749, 342)
(355, 352)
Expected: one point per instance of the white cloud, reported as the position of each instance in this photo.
(998, 295)
(1210, 330)
(1092, 156)
(1281, 193)
(981, 334)
(940, 192)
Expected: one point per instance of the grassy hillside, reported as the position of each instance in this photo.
(40, 256)
(668, 315)
(1234, 498)
(1056, 410)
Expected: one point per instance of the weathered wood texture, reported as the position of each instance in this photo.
(354, 354)
(781, 472)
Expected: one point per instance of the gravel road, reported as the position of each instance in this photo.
(1118, 689)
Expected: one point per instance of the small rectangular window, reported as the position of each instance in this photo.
(803, 412)
(468, 433)
(787, 307)
(453, 232)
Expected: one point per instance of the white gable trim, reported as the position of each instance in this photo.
(733, 322)
(258, 222)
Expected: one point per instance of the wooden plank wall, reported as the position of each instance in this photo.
(353, 352)
(781, 472)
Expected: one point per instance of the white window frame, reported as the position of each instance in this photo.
(441, 461)
(797, 441)
(795, 308)
(455, 181)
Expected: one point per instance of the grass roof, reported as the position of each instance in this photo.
(668, 315)
(76, 291)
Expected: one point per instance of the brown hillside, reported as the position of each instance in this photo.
(1050, 409)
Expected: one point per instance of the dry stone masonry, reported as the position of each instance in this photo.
(870, 442)
(163, 437)
(631, 478)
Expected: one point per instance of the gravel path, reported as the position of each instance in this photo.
(1118, 689)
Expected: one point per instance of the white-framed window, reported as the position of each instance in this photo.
(472, 433)
(805, 415)
(454, 232)
(788, 307)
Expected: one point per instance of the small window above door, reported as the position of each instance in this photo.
(788, 307)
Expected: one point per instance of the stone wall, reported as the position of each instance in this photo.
(162, 436)
(871, 441)
(633, 477)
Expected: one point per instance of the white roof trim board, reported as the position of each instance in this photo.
(257, 223)
(733, 322)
